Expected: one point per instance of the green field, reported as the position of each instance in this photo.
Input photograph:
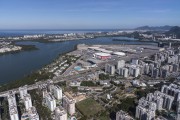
(89, 107)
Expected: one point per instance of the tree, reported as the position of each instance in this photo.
(103, 76)
(87, 83)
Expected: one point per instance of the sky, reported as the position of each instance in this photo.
(87, 14)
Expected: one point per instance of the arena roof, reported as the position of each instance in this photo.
(119, 53)
(102, 54)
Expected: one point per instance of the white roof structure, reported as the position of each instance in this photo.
(100, 49)
(119, 53)
(102, 54)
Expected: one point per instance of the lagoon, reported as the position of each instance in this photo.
(17, 65)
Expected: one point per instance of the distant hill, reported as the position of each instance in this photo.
(155, 28)
(174, 30)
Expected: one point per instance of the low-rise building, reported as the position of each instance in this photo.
(75, 84)
(121, 115)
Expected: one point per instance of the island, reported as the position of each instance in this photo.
(11, 47)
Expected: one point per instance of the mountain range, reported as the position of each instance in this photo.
(155, 28)
(174, 30)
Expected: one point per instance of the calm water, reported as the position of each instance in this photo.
(16, 66)
(14, 33)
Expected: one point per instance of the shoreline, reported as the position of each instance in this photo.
(50, 40)
(23, 79)
(23, 48)
(143, 41)
(33, 47)
(30, 78)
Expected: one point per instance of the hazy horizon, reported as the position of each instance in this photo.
(93, 14)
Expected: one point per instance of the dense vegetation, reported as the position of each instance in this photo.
(4, 109)
(44, 112)
(28, 47)
(87, 83)
(30, 79)
(103, 76)
(128, 105)
(34, 77)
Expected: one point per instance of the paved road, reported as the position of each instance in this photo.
(73, 77)
(62, 78)
(56, 80)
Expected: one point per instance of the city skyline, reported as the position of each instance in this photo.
(101, 14)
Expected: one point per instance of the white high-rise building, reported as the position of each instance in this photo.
(12, 106)
(11, 98)
(167, 99)
(145, 110)
(57, 91)
(156, 99)
(13, 113)
(50, 101)
(60, 113)
(151, 67)
(135, 61)
(136, 72)
(170, 45)
(120, 64)
(178, 110)
(175, 67)
(120, 71)
(32, 113)
(172, 90)
(125, 72)
(44, 92)
(23, 91)
(146, 69)
(69, 104)
(50, 85)
(27, 101)
(155, 73)
(110, 69)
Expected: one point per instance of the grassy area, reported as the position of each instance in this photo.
(89, 107)
(103, 116)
